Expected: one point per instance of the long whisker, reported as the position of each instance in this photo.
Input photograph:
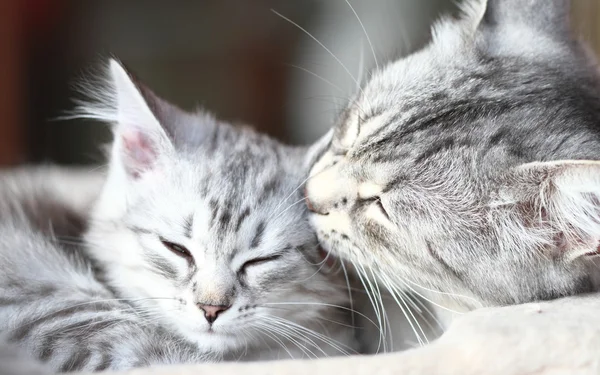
(265, 329)
(374, 305)
(365, 32)
(407, 312)
(349, 292)
(327, 340)
(288, 208)
(288, 197)
(320, 304)
(427, 299)
(291, 335)
(454, 295)
(386, 320)
(338, 88)
(323, 46)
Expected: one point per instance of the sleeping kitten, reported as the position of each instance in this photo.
(467, 171)
(199, 246)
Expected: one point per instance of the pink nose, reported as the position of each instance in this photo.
(311, 207)
(211, 312)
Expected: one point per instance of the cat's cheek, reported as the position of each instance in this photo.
(336, 223)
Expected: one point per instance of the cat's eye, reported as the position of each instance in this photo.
(177, 249)
(376, 203)
(257, 261)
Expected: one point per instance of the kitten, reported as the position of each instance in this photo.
(198, 248)
(466, 172)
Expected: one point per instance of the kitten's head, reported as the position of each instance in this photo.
(200, 223)
(463, 167)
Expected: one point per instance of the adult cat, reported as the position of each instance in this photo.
(466, 172)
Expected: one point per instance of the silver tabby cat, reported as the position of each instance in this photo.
(468, 171)
(197, 248)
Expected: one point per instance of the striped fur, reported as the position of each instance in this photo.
(192, 213)
(468, 171)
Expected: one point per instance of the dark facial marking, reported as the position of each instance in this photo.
(258, 235)
(138, 230)
(268, 190)
(225, 218)
(241, 218)
(214, 209)
(188, 225)
(190, 275)
(162, 266)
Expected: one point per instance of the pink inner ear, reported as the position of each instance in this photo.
(139, 152)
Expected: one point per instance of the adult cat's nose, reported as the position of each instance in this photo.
(311, 207)
(211, 312)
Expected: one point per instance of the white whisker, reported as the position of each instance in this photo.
(365, 32)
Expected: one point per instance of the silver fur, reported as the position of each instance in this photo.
(466, 172)
(129, 297)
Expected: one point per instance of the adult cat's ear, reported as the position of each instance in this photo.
(549, 16)
(523, 27)
(560, 198)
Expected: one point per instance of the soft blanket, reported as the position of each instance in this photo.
(546, 338)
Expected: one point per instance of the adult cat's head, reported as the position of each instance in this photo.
(199, 224)
(467, 166)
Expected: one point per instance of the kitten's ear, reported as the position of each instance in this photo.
(141, 130)
(562, 198)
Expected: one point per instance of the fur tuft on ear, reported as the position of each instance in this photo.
(563, 198)
(139, 136)
(143, 124)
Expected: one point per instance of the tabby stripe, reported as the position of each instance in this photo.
(260, 229)
(106, 359)
(76, 361)
(24, 330)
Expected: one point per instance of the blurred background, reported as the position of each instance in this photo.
(236, 58)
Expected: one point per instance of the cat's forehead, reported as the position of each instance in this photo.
(429, 105)
(237, 162)
(232, 193)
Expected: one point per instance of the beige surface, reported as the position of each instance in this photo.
(550, 338)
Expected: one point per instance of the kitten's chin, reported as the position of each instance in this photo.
(214, 341)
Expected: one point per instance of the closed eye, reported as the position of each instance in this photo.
(258, 261)
(379, 205)
(177, 249)
(375, 202)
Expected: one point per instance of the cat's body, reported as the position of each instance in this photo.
(465, 171)
(196, 249)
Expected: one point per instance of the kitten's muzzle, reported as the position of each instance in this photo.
(212, 312)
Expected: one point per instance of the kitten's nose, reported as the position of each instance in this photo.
(211, 312)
